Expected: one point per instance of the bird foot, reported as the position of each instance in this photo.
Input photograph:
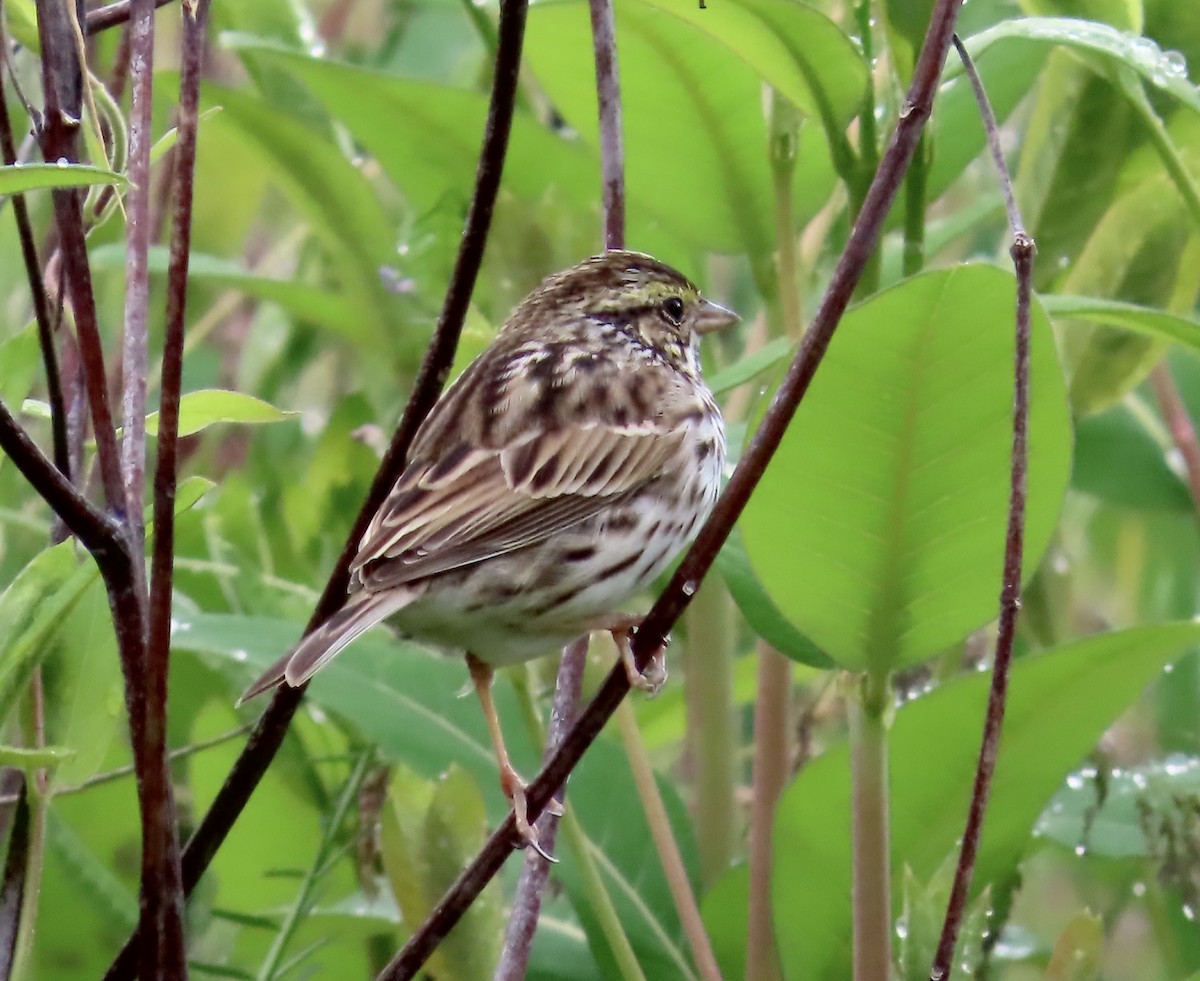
(652, 678)
(514, 789)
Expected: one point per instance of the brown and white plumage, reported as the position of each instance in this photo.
(556, 477)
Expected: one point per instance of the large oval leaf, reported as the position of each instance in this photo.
(1060, 704)
(441, 162)
(879, 526)
(692, 118)
(796, 48)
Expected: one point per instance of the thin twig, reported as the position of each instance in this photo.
(772, 701)
(62, 86)
(272, 967)
(700, 557)
(272, 726)
(135, 334)
(98, 532)
(608, 97)
(37, 287)
(113, 14)
(161, 852)
(527, 900)
(1179, 422)
(770, 776)
(1010, 591)
(666, 846)
(12, 892)
(527, 903)
(128, 770)
(992, 129)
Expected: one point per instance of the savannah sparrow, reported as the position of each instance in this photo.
(555, 479)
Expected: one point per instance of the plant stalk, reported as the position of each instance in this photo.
(872, 892)
(666, 845)
(711, 739)
(771, 713)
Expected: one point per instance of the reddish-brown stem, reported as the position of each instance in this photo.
(12, 889)
(608, 98)
(703, 553)
(1022, 252)
(161, 843)
(99, 533)
(272, 726)
(112, 15)
(37, 290)
(1179, 423)
(135, 335)
(62, 84)
(527, 901)
(769, 778)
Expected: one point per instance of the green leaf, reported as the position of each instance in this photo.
(725, 909)
(1105, 813)
(430, 830)
(1079, 951)
(405, 700)
(451, 121)
(20, 357)
(700, 167)
(207, 407)
(1059, 704)
(771, 354)
(1008, 71)
(1160, 68)
(758, 609)
(19, 178)
(100, 888)
(328, 190)
(794, 47)
(31, 610)
(918, 930)
(47, 757)
(171, 137)
(1144, 320)
(878, 529)
(303, 302)
(1125, 15)
(1119, 459)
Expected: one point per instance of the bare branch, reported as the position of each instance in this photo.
(37, 289)
(100, 534)
(12, 892)
(272, 726)
(62, 83)
(134, 336)
(527, 901)
(1010, 591)
(112, 15)
(612, 147)
(703, 552)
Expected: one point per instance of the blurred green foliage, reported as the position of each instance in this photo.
(335, 167)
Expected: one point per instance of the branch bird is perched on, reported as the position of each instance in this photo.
(555, 479)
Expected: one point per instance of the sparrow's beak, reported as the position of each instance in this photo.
(711, 317)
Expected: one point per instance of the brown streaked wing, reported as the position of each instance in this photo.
(493, 502)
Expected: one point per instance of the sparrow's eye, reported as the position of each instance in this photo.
(672, 309)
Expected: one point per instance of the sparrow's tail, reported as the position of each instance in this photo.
(314, 651)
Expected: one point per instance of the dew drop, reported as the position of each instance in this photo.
(1175, 64)
(689, 588)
